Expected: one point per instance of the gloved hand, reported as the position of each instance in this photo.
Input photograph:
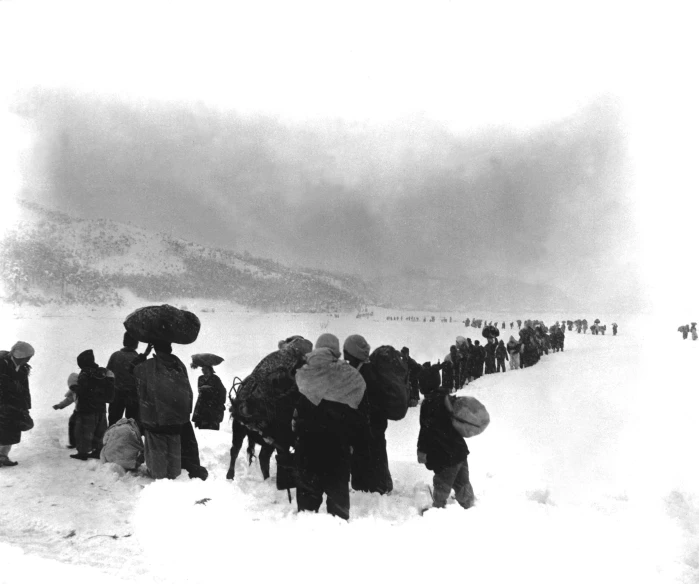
(56, 407)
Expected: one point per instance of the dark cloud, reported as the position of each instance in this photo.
(544, 206)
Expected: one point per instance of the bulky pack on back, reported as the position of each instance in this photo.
(393, 376)
(103, 385)
(165, 395)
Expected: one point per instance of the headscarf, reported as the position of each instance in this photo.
(357, 346)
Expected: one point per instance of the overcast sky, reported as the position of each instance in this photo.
(519, 138)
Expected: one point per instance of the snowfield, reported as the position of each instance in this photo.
(587, 473)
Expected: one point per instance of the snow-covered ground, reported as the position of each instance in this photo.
(587, 473)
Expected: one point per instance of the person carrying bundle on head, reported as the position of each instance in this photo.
(211, 402)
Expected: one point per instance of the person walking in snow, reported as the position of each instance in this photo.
(369, 460)
(490, 349)
(693, 330)
(442, 450)
(165, 403)
(326, 421)
(614, 328)
(501, 357)
(125, 395)
(95, 388)
(70, 398)
(15, 398)
(413, 372)
(211, 402)
(513, 351)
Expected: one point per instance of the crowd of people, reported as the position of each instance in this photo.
(330, 406)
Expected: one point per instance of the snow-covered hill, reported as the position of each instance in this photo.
(50, 256)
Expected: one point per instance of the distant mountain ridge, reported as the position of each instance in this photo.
(48, 256)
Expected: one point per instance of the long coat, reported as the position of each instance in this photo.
(15, 399)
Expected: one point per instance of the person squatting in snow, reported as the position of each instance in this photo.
(15, 398)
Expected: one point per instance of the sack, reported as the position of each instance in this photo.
(469, 416)
(166, 397)
(123, 445)
(208, 359)
(163, 323)
(393, 376)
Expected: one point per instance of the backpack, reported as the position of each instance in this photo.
(104, 385)
(393, 376)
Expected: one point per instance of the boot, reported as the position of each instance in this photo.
(5, 461)
(78, 456)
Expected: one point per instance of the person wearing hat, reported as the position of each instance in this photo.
(70, 398)
(125, 395)
(325, 422)
(370, 470)
(94, 388)
(15, 399)
(442, 450)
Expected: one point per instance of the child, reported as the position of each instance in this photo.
(70, 398)
(211, 403)
(442, 450)
(94, 389)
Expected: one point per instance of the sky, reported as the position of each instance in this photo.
(546, 143)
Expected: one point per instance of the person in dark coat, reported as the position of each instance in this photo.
(490, 348)
(501, 357)
(326, 422)
(211, 402)
(369, 465)
(614, 328)
(442, 450)
(90, 411)
(429, 377)
(413, 372)
(451, 369)
(125, 395)
(15, 399)
(478, 360)
(165, 403)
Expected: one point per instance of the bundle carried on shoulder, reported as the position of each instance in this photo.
(164, 323)
(206, 359)
(392, 372)
(469, 416)
(266, 398)
(325, 377)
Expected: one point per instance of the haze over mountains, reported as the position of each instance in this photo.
(427, 217)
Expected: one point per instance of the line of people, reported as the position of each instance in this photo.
(686, 330)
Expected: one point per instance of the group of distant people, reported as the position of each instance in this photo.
(686, 330)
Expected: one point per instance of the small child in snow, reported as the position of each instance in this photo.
(70, 398)
(442, 450)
